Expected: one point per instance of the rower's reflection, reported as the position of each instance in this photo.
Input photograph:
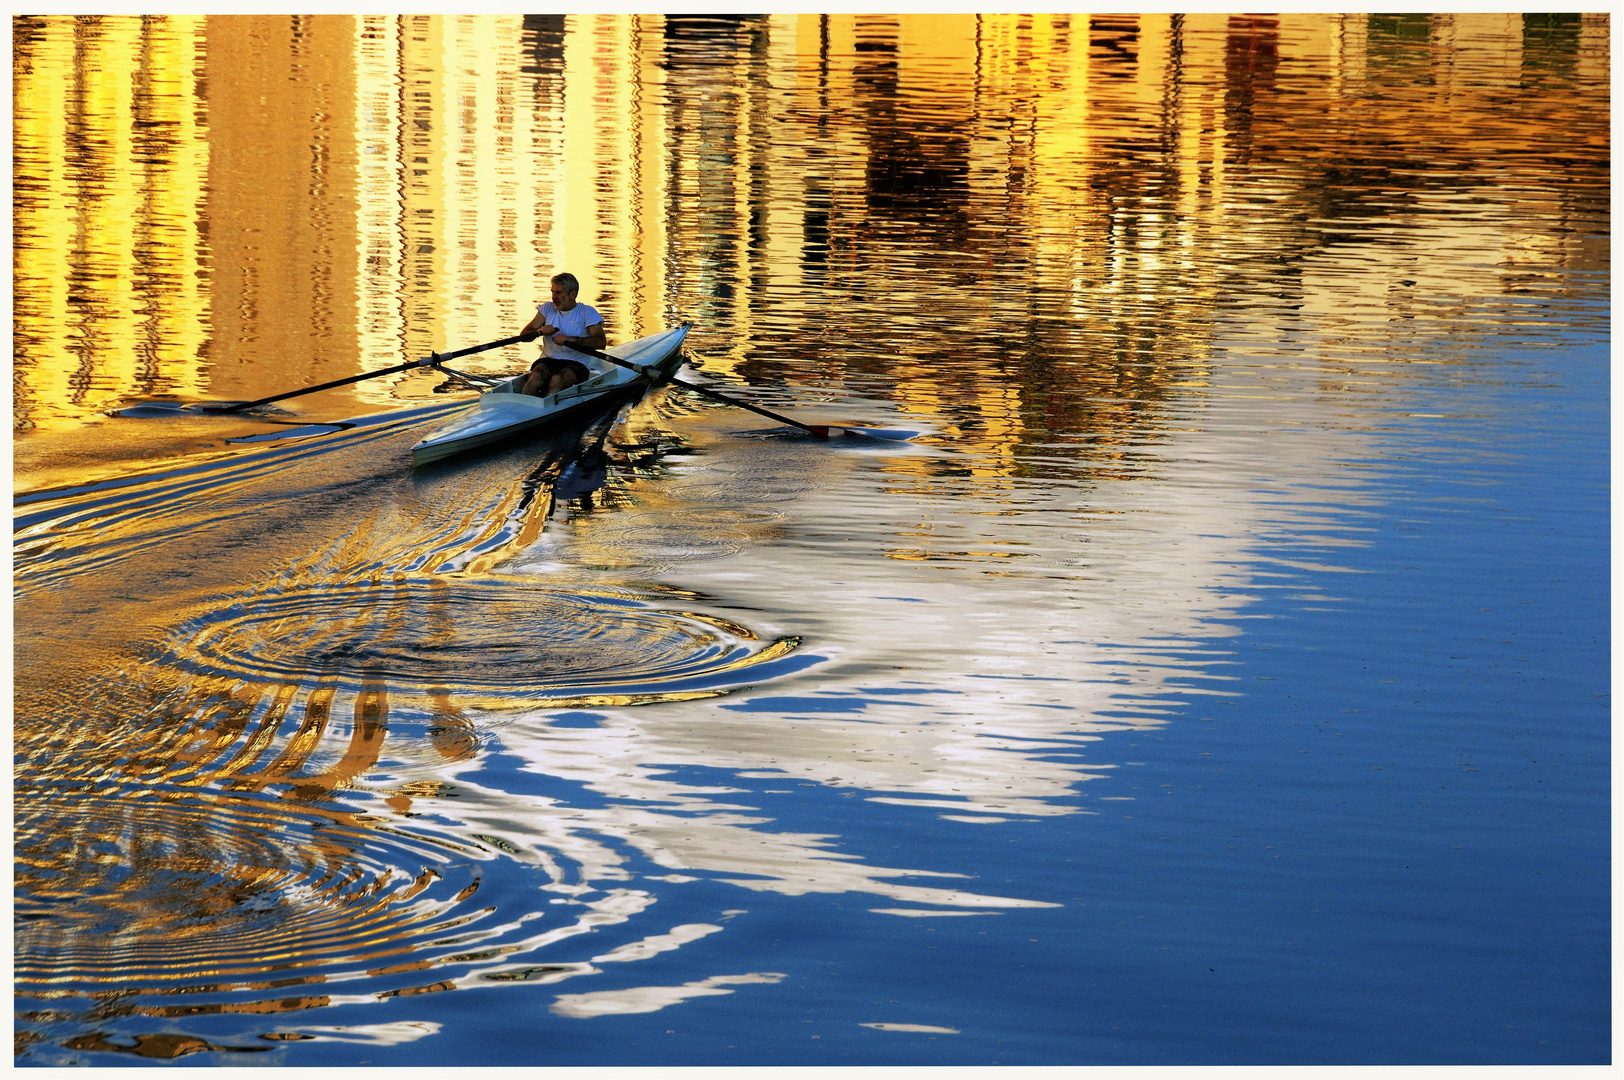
(582, 477)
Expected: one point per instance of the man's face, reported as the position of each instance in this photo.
(562, 297)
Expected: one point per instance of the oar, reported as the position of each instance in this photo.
(821, 431)
(432, 360)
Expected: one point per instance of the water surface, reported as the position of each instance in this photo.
(1218, 676)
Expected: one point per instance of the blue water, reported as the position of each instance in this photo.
(1392, 847)
(1389, 843)
(1220, 676)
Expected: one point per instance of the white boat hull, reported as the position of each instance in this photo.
(503, 413)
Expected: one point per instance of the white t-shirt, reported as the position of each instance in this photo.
(574, 323)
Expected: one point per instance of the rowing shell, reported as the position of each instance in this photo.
(502, 412)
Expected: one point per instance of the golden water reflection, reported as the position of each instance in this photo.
(308, 712)
(314, 196)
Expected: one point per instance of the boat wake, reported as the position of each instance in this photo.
(251, 796)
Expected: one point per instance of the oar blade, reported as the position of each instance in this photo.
(834, 431)
(147, 409)
(884, 434)
(170, 409)
(280, 434)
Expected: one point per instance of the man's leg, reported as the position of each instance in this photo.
(563, 380)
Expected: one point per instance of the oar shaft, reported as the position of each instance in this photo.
(430, 361)
(313, 389)
(708, 392)
(744, 405)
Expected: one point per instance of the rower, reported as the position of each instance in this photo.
(562, 323)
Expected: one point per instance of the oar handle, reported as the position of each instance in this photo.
(708, 392)
(431, 360)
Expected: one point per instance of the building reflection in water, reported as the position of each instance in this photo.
(1026, 235)
(315, 195)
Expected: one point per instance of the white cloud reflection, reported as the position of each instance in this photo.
(403, 1031)
(977, 689)
(652, 946)
(647, 999)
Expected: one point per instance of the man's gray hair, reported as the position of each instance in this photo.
(568, 281)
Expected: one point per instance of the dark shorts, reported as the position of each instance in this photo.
(553, 366)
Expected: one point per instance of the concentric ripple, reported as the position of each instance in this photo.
(495, 642)
(123, 885)
(164, 903)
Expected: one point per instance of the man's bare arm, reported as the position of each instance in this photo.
(534, 328)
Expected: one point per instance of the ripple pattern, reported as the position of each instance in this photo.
(158, 902)
(497, 642)
(148, 888)
(229, 820)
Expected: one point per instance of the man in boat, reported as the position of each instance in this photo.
(561, 324)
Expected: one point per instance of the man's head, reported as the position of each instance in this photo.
(565, 288)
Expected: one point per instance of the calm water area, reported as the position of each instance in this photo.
(1219, 675)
